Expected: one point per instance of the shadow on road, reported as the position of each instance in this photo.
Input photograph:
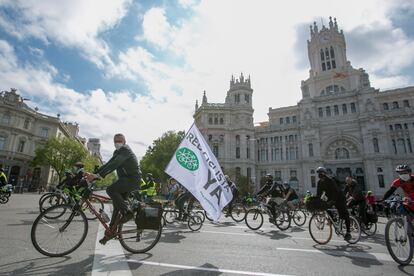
(273, 234)
(188, 272)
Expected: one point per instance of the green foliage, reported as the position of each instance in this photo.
(89, 164)
(159, 154)
(60, 154)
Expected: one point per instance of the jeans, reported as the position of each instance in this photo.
(343, 213)
(118, 192)
(362, 207)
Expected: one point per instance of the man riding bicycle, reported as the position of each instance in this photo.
(291, 197)
(326, 185)
(235, 193)
(125, 163)
(355, 196)
(274, 190)
(404, 181)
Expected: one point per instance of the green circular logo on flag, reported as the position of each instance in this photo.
(187, 159)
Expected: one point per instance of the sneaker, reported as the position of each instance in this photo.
(347, 236)
(271, 220)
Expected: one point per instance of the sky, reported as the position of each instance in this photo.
(137, 67)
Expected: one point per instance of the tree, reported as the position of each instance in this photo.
(90, 162)
(243, 183)
(60, 154)
(159, 154)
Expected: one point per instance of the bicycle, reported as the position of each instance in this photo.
(5, 193)
(369, 228)
(298, 216)
(67, 229)
(69, 195)
(238, 213)
(321, 224)
(399, 236)
(194, 219)
(254, 217)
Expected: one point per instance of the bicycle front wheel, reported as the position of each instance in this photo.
(254, 219)
(63, 234)
(194, 222)
(238, 213)
(299, 217)
(50, 201)
(355, 228)
(399, 242)
(320, 228)
(170, 216)
(137, 240)
(283, 220)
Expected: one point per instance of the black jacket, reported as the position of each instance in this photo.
(355, 191)
(124, 162)
(331, 189)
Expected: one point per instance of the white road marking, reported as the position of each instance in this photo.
(109, 259)
(227, 233)
(363, 255)
(221, 270)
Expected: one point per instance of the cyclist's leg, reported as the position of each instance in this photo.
(362, 211)
(115, 192)
(343, 214)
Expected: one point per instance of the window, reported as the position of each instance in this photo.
(341, 153)
(237, 152)
(26, 124)
(385, 106)
(44, 132)
(215, 119)
(278, 175)
(381, 182)
(394, 145)
(344, 109)
(332, 52)
(210, 137)
(237, 140)
(210, 119)
(391, 128)
(313, 181)
(249, 173)
(238, 172)
(292, 153)
(410, 149)
(248, 153)
(221, 121)
(310, 148)
(281, 121)
(247, 98)
(336, 110)
(406, 103)
(379, 170)
(2, 143)
(395, 105)
(398, 126)
(320, 112)
(6, 119)
(294, 119)
(375, 143)
(405, 126)
(401, 148)
(216, 151)
(328, 111)
(290, 138)
(20, 147)
(353, 108)
(287, 120)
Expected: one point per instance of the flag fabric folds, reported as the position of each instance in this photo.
(197, 169)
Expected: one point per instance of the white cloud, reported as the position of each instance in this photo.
(156, 28)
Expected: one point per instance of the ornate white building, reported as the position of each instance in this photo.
(22, 130)
(341, 123)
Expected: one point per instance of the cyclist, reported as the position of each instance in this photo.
(148, 189)
(180, 201)
(3, 178)
(274, 190)
(235, 193)
(291, 197)
(355, 196)
(404, 181)
(173, 189)
(125, 163)
(371, 200)
(308, 195)
(326, 185)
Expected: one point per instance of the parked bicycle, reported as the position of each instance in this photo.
(5, 193)
(61, 229)
(254, 217)
(399, 233)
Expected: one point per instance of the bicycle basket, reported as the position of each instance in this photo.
(315, 204)
(149, 217)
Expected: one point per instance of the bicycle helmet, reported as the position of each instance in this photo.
(269, 176)
(401, 169)
(321, 170)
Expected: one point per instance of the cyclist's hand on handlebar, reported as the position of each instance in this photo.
(91, 177)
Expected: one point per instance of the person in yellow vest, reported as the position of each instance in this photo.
(3, 178)
(148, 189)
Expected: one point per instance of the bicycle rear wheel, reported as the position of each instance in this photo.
(320, 228)
(50, 201)
(399, 242)
(137, 240)
(201, 214)
(207, 216)
(370, 229)
(254, 219)
(3, 199)
(194, 222)
(170, 216)
(62, 235)
(299, 217)
(238, 213)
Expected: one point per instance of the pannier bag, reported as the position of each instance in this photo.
(149, 217)
(315, 204)
(372, 217)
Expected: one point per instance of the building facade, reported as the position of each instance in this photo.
(341, 122)
(94, 148)
(22, 130)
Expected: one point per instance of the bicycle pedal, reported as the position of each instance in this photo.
(103, 241)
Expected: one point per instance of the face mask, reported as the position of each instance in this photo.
(118, 145)
(321, 175)
(404, 177)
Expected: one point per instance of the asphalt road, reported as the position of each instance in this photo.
(224, 248)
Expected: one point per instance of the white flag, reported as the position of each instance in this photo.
(196, 168)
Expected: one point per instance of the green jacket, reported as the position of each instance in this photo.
(3, 178)
(124, 162)
(148, 189)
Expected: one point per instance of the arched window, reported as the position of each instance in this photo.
(394, 145)
(375, 143)
(385, 106)
(401, 146)
(322, 56)
(341, 153)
